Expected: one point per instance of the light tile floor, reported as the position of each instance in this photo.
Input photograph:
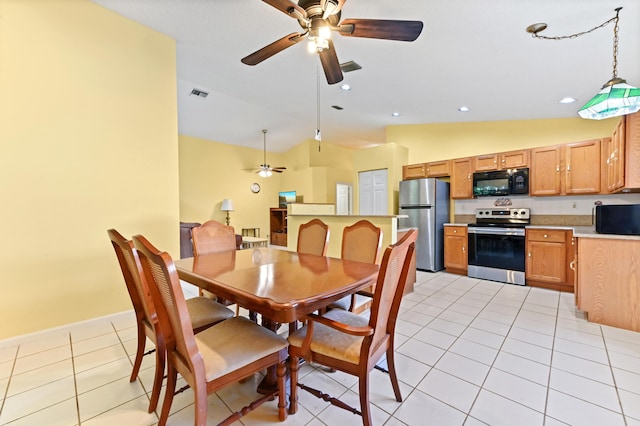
(469, 352)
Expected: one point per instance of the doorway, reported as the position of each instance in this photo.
(344, 198)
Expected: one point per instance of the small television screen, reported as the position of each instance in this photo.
(286, 197)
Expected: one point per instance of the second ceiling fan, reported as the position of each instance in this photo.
(318, 18)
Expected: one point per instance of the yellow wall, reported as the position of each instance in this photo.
(212, 171)
(87, 113)
(432, 142)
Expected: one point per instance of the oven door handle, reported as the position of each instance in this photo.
(496, 231)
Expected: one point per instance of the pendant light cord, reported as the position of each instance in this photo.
(318, 133)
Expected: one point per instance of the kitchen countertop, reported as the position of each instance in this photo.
(578, 231)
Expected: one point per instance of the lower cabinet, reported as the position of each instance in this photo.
(455, 249)
(608, 282)
(549, 262)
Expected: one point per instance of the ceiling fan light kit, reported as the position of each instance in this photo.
(318, 18)
(616, 97)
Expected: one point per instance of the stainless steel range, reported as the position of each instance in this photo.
(497, 245)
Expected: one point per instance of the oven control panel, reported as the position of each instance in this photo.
(510, 213)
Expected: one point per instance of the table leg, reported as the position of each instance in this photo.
(269, 384)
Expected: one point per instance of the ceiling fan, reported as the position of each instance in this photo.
(264, 169)
(318, 18)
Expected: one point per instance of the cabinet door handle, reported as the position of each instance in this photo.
(455, 231)
(463, 249)
(568, 167)
(545, 235)
(529, 254)
(557, 169)
(572, 265)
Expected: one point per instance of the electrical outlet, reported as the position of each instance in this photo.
(573, 204)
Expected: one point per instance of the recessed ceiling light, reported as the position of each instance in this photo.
(345, 87)
(463, 109)
(567, 100)
(395, 114)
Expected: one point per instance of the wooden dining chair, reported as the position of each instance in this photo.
(202, 311)
(214, 237)
(351, 343)
(360, 242)
(214, 358)
(313, 238)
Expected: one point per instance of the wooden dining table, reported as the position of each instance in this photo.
(280, 285)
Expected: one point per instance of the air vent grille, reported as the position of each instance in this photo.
(349, 66)
(200, 93)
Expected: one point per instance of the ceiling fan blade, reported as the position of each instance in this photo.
(381, 28)
(276, 170)
(330, 64)
(331, 7)
(288, 7)
(273, 48)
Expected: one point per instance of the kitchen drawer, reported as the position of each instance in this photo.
(550, 235)
(455, 230)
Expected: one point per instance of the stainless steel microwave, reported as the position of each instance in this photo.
(501, 182)
(621, 219)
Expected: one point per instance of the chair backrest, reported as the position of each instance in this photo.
(392, 278)
(361, 242)
(313, 237)
(171, 306)
(133, 278)
(213, 237)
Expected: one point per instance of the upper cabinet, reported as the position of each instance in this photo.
(439, 168)
(426, 170)
(503, 160)
(461, 182)
(414, 171)
(622, 156)
(566, 169)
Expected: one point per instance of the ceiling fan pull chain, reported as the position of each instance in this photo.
(318, 136)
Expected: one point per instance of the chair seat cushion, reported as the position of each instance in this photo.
(205, 311)
(331, 342)
(234, 343)
(343, 303)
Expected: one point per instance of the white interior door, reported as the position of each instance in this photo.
(372, 193)
(344, 198)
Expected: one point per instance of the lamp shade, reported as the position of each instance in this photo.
(227, 205)
(616, 98)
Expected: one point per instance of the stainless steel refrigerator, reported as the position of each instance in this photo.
(425, 202)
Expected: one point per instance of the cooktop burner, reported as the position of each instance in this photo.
(503, 217)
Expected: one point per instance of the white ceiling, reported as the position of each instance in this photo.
(471, 52)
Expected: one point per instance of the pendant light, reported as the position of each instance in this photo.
(616, 97)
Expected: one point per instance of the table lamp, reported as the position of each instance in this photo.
(227, 206)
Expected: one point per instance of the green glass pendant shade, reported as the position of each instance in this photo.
(615, 99)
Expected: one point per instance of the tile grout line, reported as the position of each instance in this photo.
(613, 377)
(75, 380)
(6, 390)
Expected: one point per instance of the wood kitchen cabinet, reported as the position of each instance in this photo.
(503, 160)
(622, 155)
(439, 168)
(566, 169)
(455, 249)
(414, 171)
(608, 281)
(461, 182)
(427, 170)
(550, 259)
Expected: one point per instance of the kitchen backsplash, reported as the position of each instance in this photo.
(576, 205)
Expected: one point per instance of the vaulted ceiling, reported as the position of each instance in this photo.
(470, 53)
